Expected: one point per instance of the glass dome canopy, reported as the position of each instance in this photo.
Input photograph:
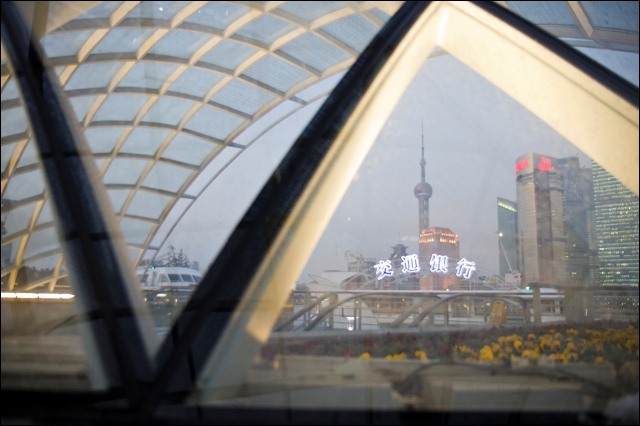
(168, 94)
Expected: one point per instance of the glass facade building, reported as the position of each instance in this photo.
(616, 210)
(508, 248)
(579, 224)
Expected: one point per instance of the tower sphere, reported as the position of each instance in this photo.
(422, 190)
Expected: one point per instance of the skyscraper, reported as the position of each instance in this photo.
(442, 251)
(578, 221)
(509, 254)
(616, 224)
(539, 191)
(555, 227)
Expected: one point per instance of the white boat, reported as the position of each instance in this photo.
(162, 277)
(167, 285)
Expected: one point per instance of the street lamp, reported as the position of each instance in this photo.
(504, 252)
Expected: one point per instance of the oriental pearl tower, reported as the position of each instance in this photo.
(423, 192)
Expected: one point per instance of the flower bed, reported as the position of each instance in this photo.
(600, 342)
(566, 367)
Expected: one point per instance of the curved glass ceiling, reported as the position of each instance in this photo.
(167, 94)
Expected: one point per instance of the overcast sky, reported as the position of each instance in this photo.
(473, 134)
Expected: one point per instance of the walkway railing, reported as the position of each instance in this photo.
(368, 310)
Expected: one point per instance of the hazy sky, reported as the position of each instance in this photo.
(473, 134)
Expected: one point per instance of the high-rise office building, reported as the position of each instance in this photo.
(616, 224)
(508, 251)
(578, 221)
(541, 234)
(442, 251)
(555, 227)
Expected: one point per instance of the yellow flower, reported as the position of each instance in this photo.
(401, 355)
(421, 355)
(531, 336)
(486, 354)
(571, 356)
(466, 349)
(366, 355)
(600, 360)
(517, 345)
(545, 345)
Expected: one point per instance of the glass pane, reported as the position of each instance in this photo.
(265, 29)
(217, 15)
(470, 264)
(42, 346)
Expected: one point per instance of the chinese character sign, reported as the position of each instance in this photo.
(545, 164)
(384, 268)
(439, 263)
(465, 268)
(410, 263)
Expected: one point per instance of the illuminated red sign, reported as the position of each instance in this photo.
(521, 165)
(545, 164)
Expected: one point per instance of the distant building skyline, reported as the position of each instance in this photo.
(575, 225)
(558, 231)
